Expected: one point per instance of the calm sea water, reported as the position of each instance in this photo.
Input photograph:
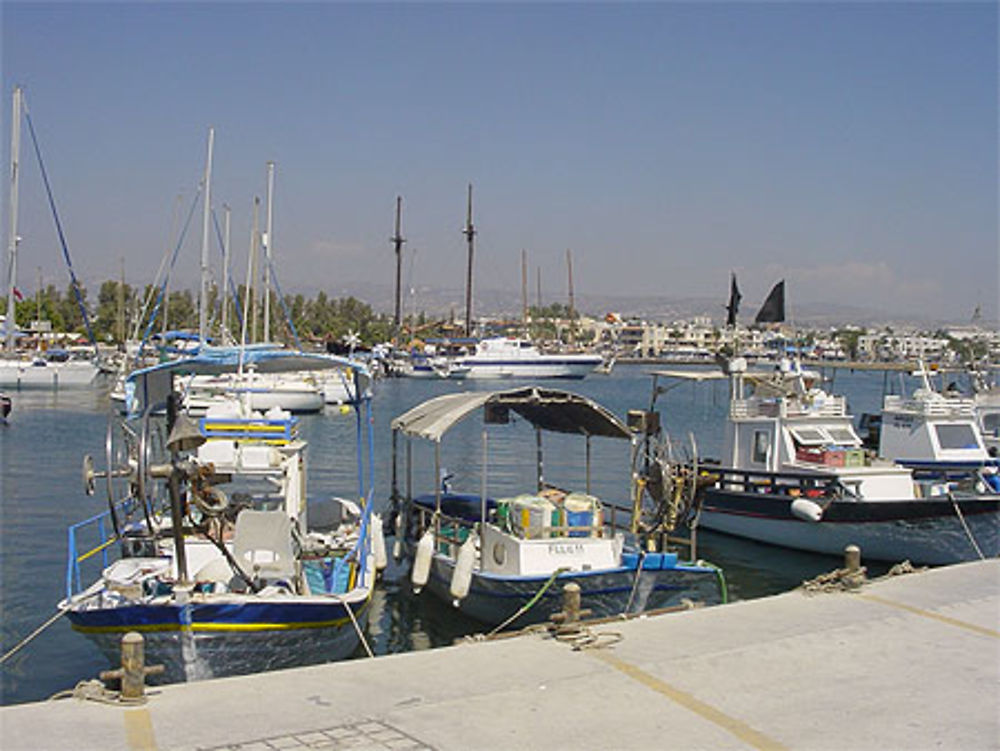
(41, 493)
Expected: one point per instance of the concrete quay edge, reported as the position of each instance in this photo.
(909, 662)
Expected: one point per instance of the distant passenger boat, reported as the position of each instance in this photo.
(501, 357)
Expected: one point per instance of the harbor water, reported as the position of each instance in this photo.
(41, 494)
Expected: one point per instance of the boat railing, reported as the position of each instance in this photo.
(360, 551)
(826, 406)
(93, 532)
(941, 407)
(795, 484)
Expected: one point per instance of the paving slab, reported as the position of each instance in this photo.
(910, 662)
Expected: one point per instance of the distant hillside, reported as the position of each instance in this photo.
(445, 302)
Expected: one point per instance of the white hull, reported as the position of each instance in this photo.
(557, 367)
(262, 393)
(48, 375)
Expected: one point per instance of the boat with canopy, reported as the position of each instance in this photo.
(505, 561)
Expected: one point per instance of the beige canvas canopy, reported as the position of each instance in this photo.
(546, 409)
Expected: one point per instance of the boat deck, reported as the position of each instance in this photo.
(909, 662)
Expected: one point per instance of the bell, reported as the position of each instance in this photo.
(185, 435)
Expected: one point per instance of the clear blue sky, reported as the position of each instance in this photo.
(850, 148)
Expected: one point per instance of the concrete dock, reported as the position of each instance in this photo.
(911, 662)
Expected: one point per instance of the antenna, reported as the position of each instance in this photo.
(397, 242)
(470, 234)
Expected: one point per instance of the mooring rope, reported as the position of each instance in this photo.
(17, 648)
(530, 603)
(968, 532)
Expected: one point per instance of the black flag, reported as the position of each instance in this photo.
(773, 309)
(734, 303)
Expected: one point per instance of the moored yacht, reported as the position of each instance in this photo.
(502, 357)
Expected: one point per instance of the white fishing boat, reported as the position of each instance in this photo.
(932, 431)
(793, 472)
(229, 570)
(505, 561)
(502, 357)
(986, 400)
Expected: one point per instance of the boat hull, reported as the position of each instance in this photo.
(556, 367)
(203, 640)
(493, 599)
(927, 531)
(25, 375)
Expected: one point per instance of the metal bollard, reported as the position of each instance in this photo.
(852, 559)
(568, 620)
(134, 670)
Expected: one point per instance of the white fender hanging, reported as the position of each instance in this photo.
(806, 510)
(397, 545)
(462, 576)
(378, 543)
(422, 561)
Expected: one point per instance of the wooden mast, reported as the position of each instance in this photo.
(572, 307)
(524, 291)
(397, 242)
(470, 233)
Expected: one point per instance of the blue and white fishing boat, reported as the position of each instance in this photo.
(794, 473)
(505, 561)
(210, 550)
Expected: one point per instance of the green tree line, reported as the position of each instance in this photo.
(121, 310)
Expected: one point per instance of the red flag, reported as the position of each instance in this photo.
(17, 294)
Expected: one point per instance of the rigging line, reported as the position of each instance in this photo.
(233, 291)
(149, 294)
(59, 230)
(173, 260)
(284, 306)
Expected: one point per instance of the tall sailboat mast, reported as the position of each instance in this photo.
(13, 239)
(224, 296)
(470, 233)
(207, 218)
(397, 243)
(268, 242)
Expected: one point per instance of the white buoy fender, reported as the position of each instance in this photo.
(378, 543)
(422, 561)
(806, 510)
(462, 576)
(397, 545)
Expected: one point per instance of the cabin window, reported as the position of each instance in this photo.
(956, 437)
(809, 436)
(761, 446)
(991, 424)
(843, 436)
